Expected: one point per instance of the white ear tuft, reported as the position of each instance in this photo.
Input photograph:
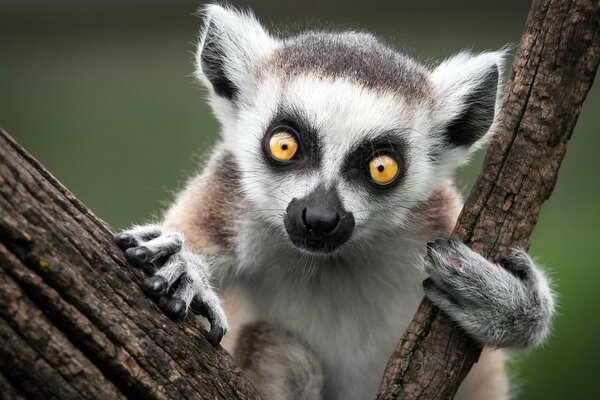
(232, 44)
(468, 91)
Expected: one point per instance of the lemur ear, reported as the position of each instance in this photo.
(231, 46)
(467, 91)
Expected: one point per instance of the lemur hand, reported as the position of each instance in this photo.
(509, 306)
(182, 277)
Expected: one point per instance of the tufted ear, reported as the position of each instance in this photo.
(231, 45)
(467, 96)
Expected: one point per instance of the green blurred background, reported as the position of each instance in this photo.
(101, 92)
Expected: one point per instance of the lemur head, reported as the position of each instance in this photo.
(337, 136)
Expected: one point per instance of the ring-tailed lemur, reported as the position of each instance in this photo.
(319, 214)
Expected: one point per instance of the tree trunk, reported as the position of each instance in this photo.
(74, 322)
(553, 71)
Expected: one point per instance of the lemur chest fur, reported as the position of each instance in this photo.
(332, 304)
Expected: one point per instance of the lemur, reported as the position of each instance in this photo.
(323, 214)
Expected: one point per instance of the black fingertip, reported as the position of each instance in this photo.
(124, 240)
(138, 256)
(175, 309)
(155, 286)
(517, 267)
(215, 335)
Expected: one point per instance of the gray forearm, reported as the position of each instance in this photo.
(500, 306)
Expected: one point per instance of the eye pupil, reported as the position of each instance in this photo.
(380, 168)
(284, 146)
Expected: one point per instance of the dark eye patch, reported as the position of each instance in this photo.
(293, 121)
(356, 164)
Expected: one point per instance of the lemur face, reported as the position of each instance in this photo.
(338, 137)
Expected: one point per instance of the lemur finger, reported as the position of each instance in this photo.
(158, 285)
(177, 306)
(124, 240)
(520, 265)
(208, 305)
(154, 249)
(155, 286)
(135, 236)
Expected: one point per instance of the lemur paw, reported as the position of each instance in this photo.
(181, 278)
(509, 306)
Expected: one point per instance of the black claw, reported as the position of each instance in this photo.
(215, 335)
(155, 286)
(175, 309)
(138, 256)
(124, 241)
(428, 283)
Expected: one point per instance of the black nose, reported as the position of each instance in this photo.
(318, 222)
(320, 219)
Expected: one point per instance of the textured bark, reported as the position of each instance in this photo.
(554, 69)
(74, 322)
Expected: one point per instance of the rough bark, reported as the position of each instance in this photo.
(553, 71)
(74, 322)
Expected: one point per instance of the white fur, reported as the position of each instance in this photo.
(246, 44)
(453, 80)
(345, 114)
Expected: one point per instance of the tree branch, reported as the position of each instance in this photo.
(74, 322)
(553, 71)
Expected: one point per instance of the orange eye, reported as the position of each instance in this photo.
(283, 146)
(383, 169)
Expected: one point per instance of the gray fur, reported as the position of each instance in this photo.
(498, 306)
(165, 244)
(359, 57)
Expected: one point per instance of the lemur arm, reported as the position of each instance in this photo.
(204, 210)
(192, 241)
(509, 305)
